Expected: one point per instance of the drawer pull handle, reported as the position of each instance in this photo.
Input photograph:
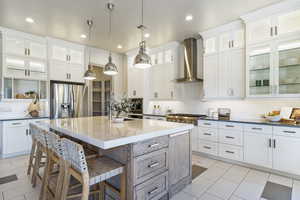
(230, 126)
(254, 128)
(153, 191)
(16, 123)
(290, 132)
(153, 165)
(207, 124)
(229, 137)
(178, 134)
(206, 134)
(153, 145)
(206, 147)
(229, 152)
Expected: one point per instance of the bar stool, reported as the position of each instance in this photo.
(89, 172)
(40, 150)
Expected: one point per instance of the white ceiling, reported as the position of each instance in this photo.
(165, 19)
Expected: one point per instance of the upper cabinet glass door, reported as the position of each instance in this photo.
(259, 31)
(260, 71)
(289, 67)
(289, 22)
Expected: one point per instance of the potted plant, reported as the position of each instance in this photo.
(120, 107)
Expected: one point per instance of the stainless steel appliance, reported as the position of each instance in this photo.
(192, 69)
(184, 118)
(66, 99)
(137, 108)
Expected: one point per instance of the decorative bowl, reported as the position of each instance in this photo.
(275, 118)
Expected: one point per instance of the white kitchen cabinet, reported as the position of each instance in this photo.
(136, 81)
(258, 149)
(195, 136)
(23, 44)
(24, 56)
(285, 157)
(288, 22)
(259, 30)
(224, 65)
(210, 76)
(16, 137)
(69, 56)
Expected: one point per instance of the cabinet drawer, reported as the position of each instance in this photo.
(150, 165)
(150, 145)
(15, 123)
(208, 147)
(264, 129)
(208, 134)
(231, 137)
(153, 189)
(207, 124)
(286, 131)
(231, 152)
(231, 126)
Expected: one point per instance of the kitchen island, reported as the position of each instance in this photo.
(157, 154)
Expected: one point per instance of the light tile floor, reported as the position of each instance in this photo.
(221, 181)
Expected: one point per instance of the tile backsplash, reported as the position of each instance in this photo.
(242, 109)
(19, 109)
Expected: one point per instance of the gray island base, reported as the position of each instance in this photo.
(157, 154)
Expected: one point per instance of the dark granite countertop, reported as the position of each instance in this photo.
(252, 121)
(24, 118)
(154, 115)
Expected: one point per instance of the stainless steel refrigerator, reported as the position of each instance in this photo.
(66, 99)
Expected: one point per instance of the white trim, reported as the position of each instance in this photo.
(283, 7)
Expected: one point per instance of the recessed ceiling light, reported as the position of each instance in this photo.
(147, 35)
(120, 46)
(29, 20)
(83, 36)
(189, 18)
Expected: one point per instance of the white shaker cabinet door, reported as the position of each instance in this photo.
(210, 45)
(58, 71)
(14, 45)
(58, 53)
(288, 23)
(237, 74)
(286, 155)
(16, 138)
(76, 56)
(225, 41)
(260, 30)
(37, 49)
(224, 77)
(210, 70)
(257, 149)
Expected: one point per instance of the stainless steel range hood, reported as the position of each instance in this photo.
(190, 61)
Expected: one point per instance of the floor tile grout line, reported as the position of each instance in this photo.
(240, 185)
(216, 181)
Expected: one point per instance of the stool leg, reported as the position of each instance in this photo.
(32, 154)
(101, 191)
(66, 183)
(123, 186)
(37, 164)
(44, 188)
(85, 186)
(60, 180)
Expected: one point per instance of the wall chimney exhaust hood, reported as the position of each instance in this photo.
(190, 61)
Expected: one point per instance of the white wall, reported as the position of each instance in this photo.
(242, 109)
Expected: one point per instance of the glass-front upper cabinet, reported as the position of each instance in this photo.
(260, 71)
(288, 71)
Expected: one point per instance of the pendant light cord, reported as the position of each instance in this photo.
(109, 36)
(90, 24)
(142, 27)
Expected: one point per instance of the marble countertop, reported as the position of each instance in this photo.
(100, 132)
(253, 121)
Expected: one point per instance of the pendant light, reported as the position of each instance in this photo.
(110, 68)
(89, 74)
(142, 60)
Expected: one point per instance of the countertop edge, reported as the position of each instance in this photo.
(125, 140)
(253, 122)
(24, 118)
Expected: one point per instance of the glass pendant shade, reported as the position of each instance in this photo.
(89, 74)
(110, 68)
(142, 59)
